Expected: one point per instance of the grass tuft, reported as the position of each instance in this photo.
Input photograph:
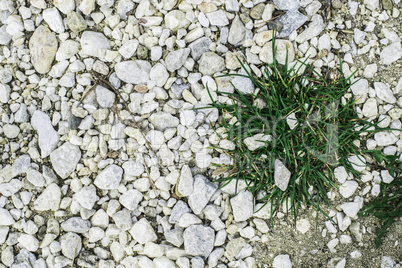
(327, 131)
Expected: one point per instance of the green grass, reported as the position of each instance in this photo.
(328, 131)
(387, 207)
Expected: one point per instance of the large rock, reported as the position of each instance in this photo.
(65, 159)
(48, 137)
(94, 44)
(134, 72)
(42, 47)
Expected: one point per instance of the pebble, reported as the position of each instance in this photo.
(348, 188)
(54, 20)
(385, 138)
(86, 196)
(76, 225)
(357, 162)
(109, 178)
(175, 59)
(65, 159)
(383, 92)
(94, 44)
(199, 240)
(202, 193)
(135, 72)
(217, 18)
(303, 225)
(282, 261)
(287, 4)
(386, 177)
(11, 131)
(65, 6)
(237, 32)
(43, 47)
(175, 20)
(186, 181)
(48, 137)
(370, 108)
(5, 218)
(131, 199)
(281, 175)
(210, 63)
(341, 174)
(49, 199)
(391, 53)
(76, 22)
(35, 177)
(199, 47)
(290, 21)
(105, 97)
(29, 242)
(5, 91)
(143, 232)
(242, 206)
(71, 245)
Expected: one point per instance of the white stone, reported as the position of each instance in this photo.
(199, 240)
(391, 53)
(303, 225)
(384, 93)
(341, 175)
(143, 232)
(237, 32)
(35, 177)
(94, 44)
(386, 177)
(67, 49)
(186, 181)
(281, 175)
(156, 138)
(217, 18)
(210, 63)
(350, 209)
(49, 199)
(65, 159)
(104, 97)
(42, 47)
(357, 162)
(48, 137)
(87, 6)
(175, 20)
(358, 36)
(65, 6)
(54, 20)
(175, 59)
(86, 196)
(130, 199)
(5, 91)
(29, 242)
(385, 138)
(134, 72)
(370, 108)
(372, 4)
(283, 47)
(128, 49)
(71, 245)
(202, 193)
(360, 87)
(370, 70)
(188, 219)
(76, 225)
(5, 218)
(348, 188)
(109, 178)
(282, 261)
(11, 131)
(242, 206)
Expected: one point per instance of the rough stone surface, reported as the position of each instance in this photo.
(109, 178)
(199, 240)
(65, 159)
(43, 47)
(281, 175)
(134, 72)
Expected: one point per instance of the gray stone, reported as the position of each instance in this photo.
(199, 240)
(123, 219)
(203, 191)
(65, 159)
(109, 178)
(178, 87)
(21, 164)
(242, 206)
(94, 44)
(175, 59)
(76, 225)
(290, 21)
(281, 175)
(42, 47)
(22, 116)
(175, 237)
(49, 199)
(71, 245)
(134, 72)
(210, 63)
(178, 210)
(233, 248)
(48, 137)
(243, 84)
(199, 47)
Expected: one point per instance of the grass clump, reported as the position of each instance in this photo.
(297, 116)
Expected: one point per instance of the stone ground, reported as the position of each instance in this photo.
(105, 163)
